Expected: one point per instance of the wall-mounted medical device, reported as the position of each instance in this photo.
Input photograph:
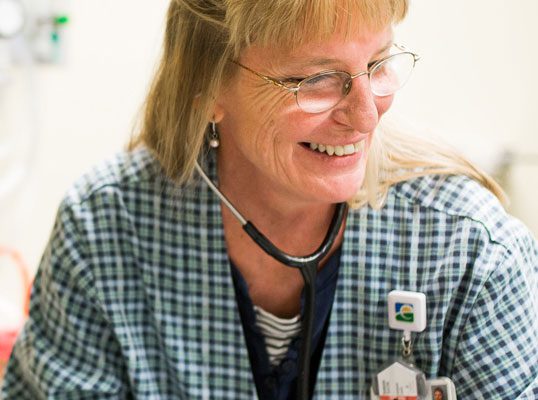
(31, 32)
(39, 23)
(12, 16)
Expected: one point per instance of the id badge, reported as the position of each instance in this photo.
(399, 380)
(440, 388)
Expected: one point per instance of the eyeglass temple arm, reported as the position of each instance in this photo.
(405, 49)
(267, 79)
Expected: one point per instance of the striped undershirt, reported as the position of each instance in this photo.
(278, 333)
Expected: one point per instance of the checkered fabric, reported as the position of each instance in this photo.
(134, 298)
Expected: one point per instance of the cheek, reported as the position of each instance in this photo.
(261, 103)
(249, 114)
(262, 113)
(383, 104)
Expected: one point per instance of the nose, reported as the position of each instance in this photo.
(358, 109)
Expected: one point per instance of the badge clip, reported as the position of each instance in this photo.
(407, 313)
(400, 379)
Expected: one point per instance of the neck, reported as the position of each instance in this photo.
(294, 225)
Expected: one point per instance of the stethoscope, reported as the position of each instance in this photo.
(308, 265)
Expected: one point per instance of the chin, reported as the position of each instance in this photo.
(340, 191)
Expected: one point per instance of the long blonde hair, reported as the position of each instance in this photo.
(396, 156)
(202, 36)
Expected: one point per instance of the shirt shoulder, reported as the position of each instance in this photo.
(467, 200)
(127, 171)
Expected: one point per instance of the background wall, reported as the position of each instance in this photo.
(474, 88)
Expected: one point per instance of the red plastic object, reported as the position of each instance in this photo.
(8, 337)
(7, 340)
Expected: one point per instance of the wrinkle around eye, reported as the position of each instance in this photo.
(266, 100)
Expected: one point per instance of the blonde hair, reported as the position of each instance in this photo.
(202, 36)
(396, 156)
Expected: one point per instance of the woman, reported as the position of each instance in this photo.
(150, 288)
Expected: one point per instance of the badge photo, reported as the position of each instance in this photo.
(442, 388)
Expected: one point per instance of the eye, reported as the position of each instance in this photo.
(310, 80)
(372, 63)
(318, 79)
(382, 57)
(324, 79)
(293, 80)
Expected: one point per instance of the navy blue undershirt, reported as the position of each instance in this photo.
(279, 383)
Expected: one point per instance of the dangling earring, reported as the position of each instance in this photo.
(214, 141)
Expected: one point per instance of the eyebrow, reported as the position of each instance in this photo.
(323, 61)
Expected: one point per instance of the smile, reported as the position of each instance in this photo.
(338, 151)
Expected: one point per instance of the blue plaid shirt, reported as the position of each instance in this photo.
(134, 297)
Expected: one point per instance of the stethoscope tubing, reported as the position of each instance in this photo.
(308, 266)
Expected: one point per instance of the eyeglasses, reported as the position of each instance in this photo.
(322, 91)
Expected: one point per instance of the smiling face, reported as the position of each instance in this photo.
(271, 145)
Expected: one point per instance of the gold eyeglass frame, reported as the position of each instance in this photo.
(294, 88)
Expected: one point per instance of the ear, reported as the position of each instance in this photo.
(218, 112)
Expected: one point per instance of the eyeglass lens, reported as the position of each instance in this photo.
(323, 91)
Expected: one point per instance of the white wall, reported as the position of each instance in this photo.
(85, 111)
(474, 88)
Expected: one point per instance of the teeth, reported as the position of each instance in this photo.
(349, 149)
(339, 151)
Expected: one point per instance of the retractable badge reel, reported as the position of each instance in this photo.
(401, 379)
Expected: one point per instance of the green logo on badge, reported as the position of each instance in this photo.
(404, 312)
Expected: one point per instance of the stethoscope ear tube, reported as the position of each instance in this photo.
(309, 273)
(295, 261)
(308, 265)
